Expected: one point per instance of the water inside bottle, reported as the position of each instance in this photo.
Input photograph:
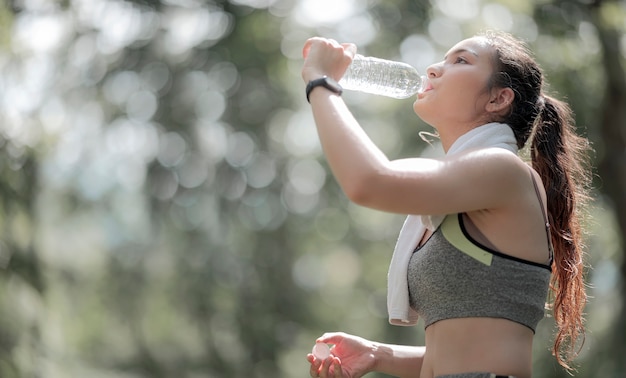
(382, 77)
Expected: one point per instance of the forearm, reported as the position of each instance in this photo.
(399, 360)
(351, 154)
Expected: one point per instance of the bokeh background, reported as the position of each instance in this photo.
(165, 210)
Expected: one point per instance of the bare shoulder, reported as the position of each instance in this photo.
(492, 165)
(493, 156)
(512, 218)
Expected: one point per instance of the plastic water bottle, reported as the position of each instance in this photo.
(382, 77)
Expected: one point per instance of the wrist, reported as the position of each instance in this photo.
(379, 354)
(326, 82)
(312, 74)
(397, 360)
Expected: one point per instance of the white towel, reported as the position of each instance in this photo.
(400, 313)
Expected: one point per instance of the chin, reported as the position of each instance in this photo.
(424, 115)
(419, 109)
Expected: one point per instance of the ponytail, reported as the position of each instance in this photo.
(560, 157)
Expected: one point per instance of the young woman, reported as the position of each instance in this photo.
(489, 235)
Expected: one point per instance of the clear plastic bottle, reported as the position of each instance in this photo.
(382, 77)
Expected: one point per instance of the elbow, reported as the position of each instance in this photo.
(359, 190)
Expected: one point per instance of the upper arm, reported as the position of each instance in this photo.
(476, 180)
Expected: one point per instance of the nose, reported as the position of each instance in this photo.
(434, 70)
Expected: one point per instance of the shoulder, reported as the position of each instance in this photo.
(496, 176)
(491, 162)
(493, 155)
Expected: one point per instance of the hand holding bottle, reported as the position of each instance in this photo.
(326, 57)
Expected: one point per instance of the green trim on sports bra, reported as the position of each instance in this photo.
(451, 230)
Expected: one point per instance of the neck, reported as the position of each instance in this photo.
(448, 135)
(493, 134)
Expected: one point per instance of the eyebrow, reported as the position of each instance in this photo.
(461, 50)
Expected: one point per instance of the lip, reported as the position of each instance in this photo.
(427, 88)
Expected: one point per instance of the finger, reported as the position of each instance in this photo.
(315, 365)
(324, 370)
(337, 367)
(350, 48)
(309, 43)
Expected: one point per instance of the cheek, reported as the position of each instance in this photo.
(465, 98)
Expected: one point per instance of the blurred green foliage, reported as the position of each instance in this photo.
(165, 209)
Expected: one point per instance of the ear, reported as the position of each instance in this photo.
(500, 100)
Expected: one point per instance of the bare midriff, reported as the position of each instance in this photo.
(467, 345)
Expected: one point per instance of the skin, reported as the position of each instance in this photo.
(492, 186)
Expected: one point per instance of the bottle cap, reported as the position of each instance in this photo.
(321, 351)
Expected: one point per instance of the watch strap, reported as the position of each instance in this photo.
(325, 82)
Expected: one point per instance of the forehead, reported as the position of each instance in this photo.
(477, 46)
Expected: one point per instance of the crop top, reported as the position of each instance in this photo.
(454, 276)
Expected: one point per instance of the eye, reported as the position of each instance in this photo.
(461, 60)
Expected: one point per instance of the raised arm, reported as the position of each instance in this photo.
(350, 152)
(474, 180)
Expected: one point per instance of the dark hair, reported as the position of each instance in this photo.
(560, 156)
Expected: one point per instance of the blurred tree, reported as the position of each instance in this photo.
(22, 283)
(606, 16)
(165, 208)
(21, 277)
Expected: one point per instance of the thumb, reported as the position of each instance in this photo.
(331, 338)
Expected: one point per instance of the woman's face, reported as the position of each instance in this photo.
(457, 90)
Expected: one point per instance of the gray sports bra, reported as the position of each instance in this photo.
(454, 276)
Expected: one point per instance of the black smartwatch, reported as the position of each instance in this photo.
(325, 82)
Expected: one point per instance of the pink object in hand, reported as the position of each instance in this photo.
(321, 351)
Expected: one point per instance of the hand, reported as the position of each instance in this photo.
(326, 57)
(351, 357)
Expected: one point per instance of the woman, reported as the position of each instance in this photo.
(495, 233)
